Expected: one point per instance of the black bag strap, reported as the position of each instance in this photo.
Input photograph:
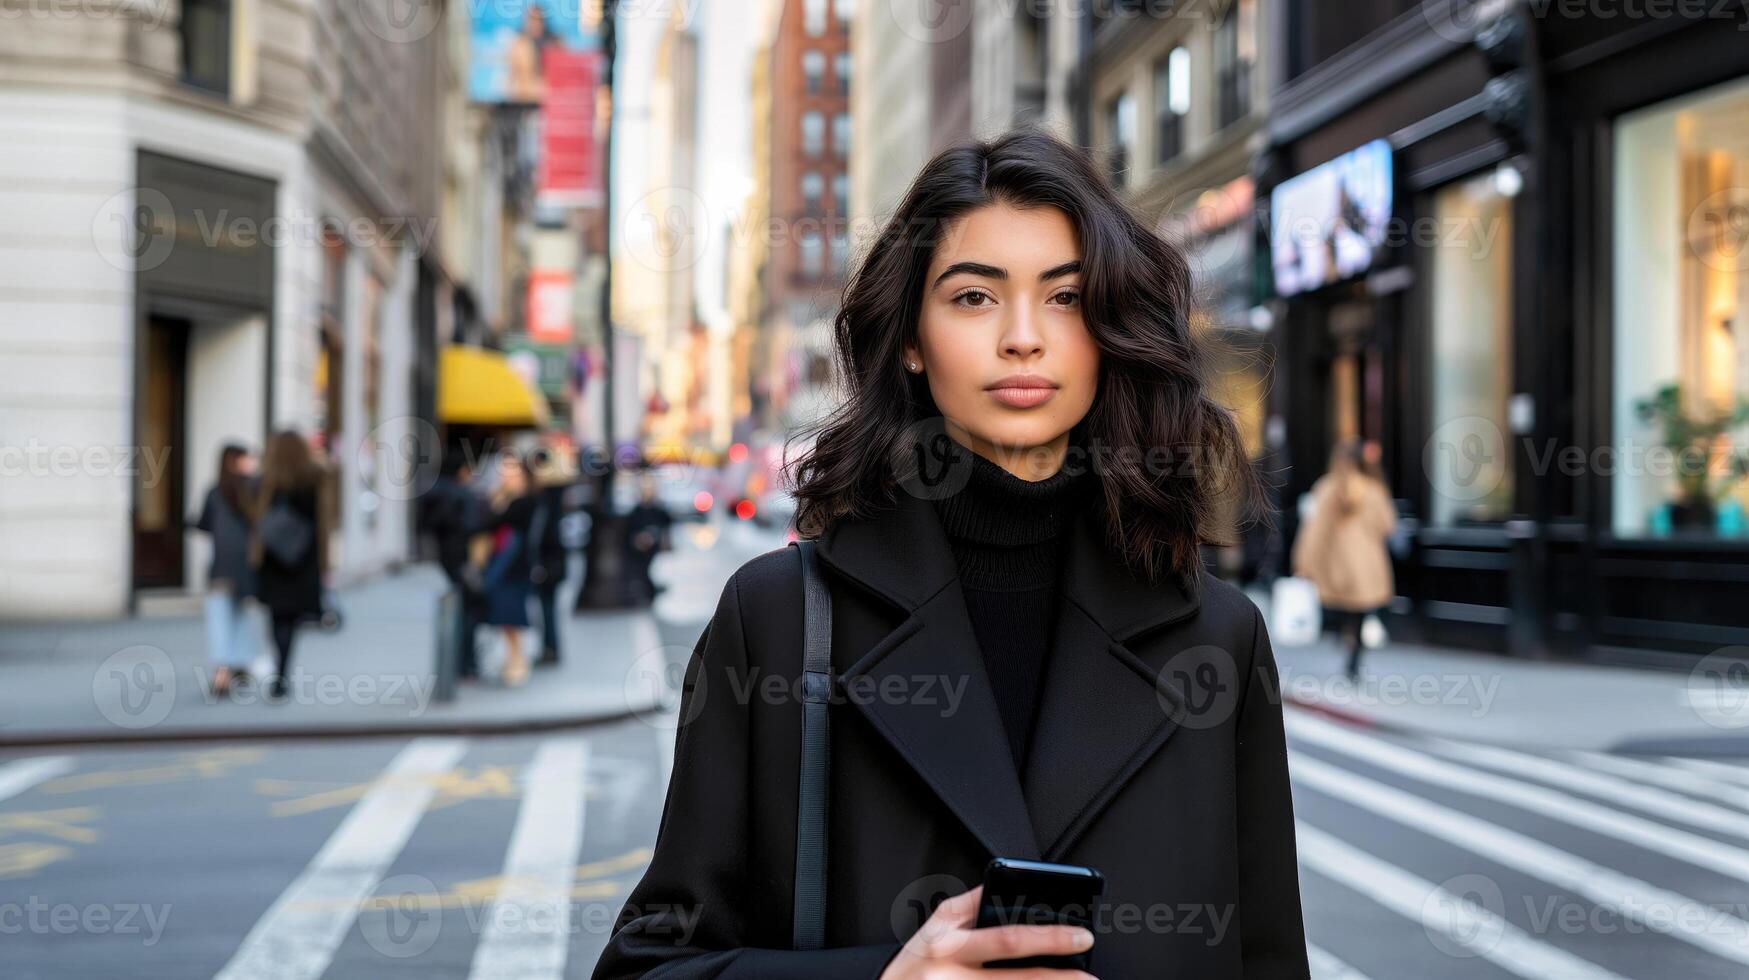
(810, 884)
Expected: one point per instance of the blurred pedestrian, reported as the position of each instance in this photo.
(225, 516)
(1341, 546)
(553, 478)
(507, 578)
(289, 546)
(452, 513)
(647, 533)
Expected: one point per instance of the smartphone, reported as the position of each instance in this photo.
(1034, 893)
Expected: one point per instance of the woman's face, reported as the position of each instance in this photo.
(1003, 298)
(244, 464)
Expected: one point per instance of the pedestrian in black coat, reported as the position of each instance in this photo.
(1150, 745)
(292, 480)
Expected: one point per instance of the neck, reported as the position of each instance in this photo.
(1005, 529)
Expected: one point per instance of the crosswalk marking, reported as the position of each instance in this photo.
(1720, 770)
(16, 777)
(1328, 967)
(1481, 931)
(528, 931)
(1701, 851)
(1651, 800)
(1657, 908)
(296, 938)
(1668, 776)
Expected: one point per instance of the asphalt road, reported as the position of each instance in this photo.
(492, 857)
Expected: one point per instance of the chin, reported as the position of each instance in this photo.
(1017, 436)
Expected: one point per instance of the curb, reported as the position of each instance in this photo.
(41, 740)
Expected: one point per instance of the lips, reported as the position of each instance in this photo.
(1023, 391)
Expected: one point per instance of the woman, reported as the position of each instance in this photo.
(225, 515)
(509, 568)
(289, 547)
(1342, 547)
(946, 502)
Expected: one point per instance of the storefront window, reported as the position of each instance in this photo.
(1681, 290)
(1470, 469)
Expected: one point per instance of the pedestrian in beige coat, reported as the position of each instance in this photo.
(1341, 546)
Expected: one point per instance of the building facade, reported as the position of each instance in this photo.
(1504, 248)
(214, 232)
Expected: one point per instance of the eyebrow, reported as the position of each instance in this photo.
(994, 272)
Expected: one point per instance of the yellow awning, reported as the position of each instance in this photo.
(476, 386)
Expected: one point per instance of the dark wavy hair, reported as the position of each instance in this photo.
(1172, 470)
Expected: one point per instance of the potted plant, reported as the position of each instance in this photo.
(1694, 440)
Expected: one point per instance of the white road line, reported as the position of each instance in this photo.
(297, 937)
(1662, 803)
(1665, 911)
(1696, 849)
(16, 777)
(1328, 967)
(1718, 770)
(528, 925)
(1454, 918)
(1664, 775)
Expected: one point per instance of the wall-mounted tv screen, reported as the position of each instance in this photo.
(1326, 223)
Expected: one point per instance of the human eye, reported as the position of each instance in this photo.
(985, 299)
(1073, 297)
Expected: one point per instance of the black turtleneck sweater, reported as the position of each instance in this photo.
(1007, 535)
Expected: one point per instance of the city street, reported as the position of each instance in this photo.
(465, 856)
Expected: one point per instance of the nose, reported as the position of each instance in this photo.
(1021, 336)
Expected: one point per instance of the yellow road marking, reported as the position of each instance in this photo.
(208, 764)
(18, 860)
(52, 823)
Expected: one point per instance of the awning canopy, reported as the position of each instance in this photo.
(476, 386)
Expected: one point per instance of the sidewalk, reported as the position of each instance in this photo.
(144, 679)
(1491, 698)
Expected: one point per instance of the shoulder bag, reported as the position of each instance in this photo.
(810, 882)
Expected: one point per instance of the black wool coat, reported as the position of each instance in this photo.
(1158, 758)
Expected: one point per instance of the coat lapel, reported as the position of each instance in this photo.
(1101, 713)
(923, 685)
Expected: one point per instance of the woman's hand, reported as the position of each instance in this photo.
(950, 946)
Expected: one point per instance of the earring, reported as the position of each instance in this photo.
(912, 365)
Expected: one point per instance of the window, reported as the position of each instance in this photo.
(814, 69)
(1120, 121)
(841, 134)
(813, 188)
(841, 69)
(841, 193)
(205, 29)
(1468, 463)
(1235, 58)
(845, 11)
(1171, 103)
(814, 17)
(1681, 298)
(812, 256)
(813, 133)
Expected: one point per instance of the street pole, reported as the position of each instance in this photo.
(602, 571)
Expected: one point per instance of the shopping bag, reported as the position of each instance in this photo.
(1295, 616)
